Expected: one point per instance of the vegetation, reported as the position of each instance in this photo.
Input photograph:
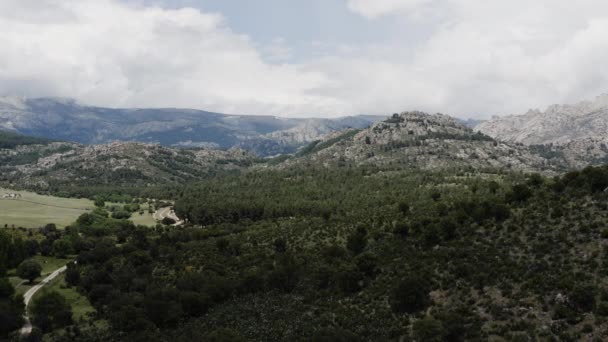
(29, 270)
(50, 311)
(350, 253)
(11, 140)
(11, 308)
(337, 246)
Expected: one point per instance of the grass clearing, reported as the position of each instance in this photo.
(32, 210)
(145, 220)
(79, 303)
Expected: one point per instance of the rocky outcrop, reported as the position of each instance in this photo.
(577, 131)
(423, 141)
(117, 163)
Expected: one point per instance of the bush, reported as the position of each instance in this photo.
(411, 295)
(121, 215)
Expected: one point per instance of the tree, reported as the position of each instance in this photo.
(429, 329)
(11, 308)
(51, 311)
(493, 187)
(280, 245)
(121, 215)
(435, 196)
(357, 241)
(411, 295)
(29, 269)
(349, 280)
(404, 208)
(167, 221)
(72, 275)
(61, 248)
(99, 202)
(535, 180)
(519, 193)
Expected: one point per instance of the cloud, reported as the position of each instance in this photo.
(109, 53)
(376, 8)
(485, 57)
(471, 58)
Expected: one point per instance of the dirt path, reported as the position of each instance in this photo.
(161, 213)
(27, 297)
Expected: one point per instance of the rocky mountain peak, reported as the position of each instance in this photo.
(572, 130)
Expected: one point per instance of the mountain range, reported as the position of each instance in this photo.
(68, 120)
(577, 132)
(417, 140)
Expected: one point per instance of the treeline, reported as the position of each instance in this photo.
(11, 140)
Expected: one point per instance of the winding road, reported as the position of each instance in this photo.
(27, 297)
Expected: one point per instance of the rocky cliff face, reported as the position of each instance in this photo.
(577, 131)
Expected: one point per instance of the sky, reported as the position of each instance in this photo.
(308, 58)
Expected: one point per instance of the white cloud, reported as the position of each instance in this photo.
(376, 8)
(474, 58)
(488, 57)
(108, 53)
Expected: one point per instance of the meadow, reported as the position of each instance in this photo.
(32, 210)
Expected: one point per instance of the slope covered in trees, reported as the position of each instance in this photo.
(316, 254)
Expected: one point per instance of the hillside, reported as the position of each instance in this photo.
(578, 131)
(418, 140)
(67, 120)
(57, 164)
(350, 254)
(12, 140)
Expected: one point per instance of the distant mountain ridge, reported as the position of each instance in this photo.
(66, 119)
(558, 124)
(577, 131)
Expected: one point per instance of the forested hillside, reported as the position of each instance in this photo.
(316, 254)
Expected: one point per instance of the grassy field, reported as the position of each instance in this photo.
(144, 220)
(79, 303)
(32, 210)
(49, 264)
